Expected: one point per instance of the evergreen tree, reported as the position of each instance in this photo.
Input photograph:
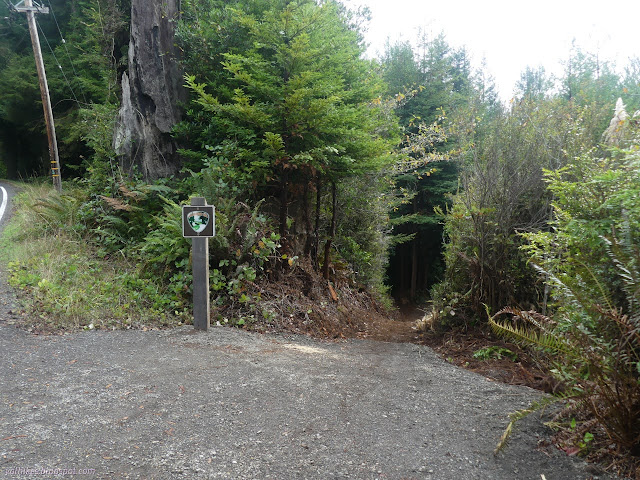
(534, 84)
(631, 85)
(21, 119)
(428, 84)
(292, 109)
(591, 84)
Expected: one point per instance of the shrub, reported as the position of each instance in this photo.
(591, 262)
(594, 347)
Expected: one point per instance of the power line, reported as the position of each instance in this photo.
(64, 42)
(58, 63)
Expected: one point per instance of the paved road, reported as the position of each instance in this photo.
(7, 191)
(7, 298)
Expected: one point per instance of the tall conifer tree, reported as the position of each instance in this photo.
(292, 105)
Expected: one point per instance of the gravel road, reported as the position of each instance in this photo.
(227, 404)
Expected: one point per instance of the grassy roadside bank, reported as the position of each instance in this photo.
(65, 282)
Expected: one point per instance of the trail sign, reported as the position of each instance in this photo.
(198, 221)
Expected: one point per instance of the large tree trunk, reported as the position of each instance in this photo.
(414, 260)
(306, 212)
(151, 92)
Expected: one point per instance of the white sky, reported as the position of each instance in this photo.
(511, 35)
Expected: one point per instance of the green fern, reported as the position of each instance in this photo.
(533, 337)
(56, 211)
(165, 245)
(596, 344)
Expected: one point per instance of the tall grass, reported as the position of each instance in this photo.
(52, 258)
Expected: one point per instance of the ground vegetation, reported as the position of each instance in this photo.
(338, 181)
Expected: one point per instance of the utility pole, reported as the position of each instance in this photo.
(27, 7)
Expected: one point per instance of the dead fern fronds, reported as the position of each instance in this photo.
(520, 414)
(127, 192)
(116, 204)
(537, 319)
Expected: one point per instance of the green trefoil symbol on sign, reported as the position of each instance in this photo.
(198, 220)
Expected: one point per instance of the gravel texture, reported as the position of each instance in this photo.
(227, 404)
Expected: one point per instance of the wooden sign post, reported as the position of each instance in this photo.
(198, 223)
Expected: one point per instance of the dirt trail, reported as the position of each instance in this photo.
(401, 329)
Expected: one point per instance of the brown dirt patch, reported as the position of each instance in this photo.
(301, 301)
